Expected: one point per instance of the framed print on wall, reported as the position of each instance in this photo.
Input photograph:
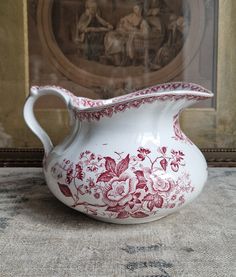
(188, 40)
(109, 60)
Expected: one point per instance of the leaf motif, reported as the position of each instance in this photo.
(116, 209)
(123, 214)
(65, 190)
(139, 173)
(148, 197)
(110, 164)
(139, 215)
(158, 201)
(105, 176)
(141, 179)
(122, 165)
(164, 149)
(163, 164)
(150, 205)
(141, 185)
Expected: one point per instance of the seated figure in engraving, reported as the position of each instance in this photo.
(90, 31)
(154, 20)
(119, 44)
(177, 29)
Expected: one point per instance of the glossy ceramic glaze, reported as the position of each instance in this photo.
(126, 159)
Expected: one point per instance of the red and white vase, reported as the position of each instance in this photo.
(126, 159)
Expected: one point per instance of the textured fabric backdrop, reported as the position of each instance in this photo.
(39, 236)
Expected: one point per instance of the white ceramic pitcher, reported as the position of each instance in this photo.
(126, 159)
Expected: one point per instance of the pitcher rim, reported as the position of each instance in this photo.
(165, 91)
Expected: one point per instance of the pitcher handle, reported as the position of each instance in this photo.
(35, 93)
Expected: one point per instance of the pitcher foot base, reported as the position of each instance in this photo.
(128, 221)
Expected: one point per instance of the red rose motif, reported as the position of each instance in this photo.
(122, 185)
(164, 185)
(160, 183)
(119, 190)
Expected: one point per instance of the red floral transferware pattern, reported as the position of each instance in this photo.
(125, 186)
(110, 110)
(179, 135)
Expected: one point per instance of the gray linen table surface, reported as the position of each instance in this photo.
(39, 236)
